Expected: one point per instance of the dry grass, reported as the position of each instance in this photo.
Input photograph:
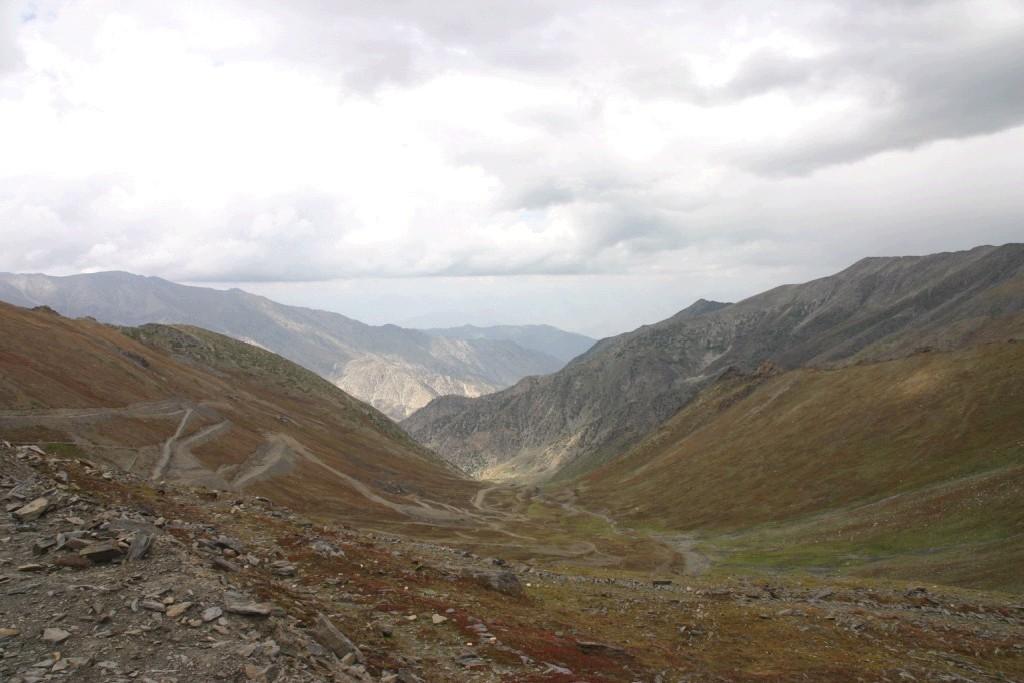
(49, 362)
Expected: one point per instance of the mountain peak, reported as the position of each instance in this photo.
(705, 305)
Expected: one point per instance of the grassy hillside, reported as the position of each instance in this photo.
(912, 467)
(223, 413)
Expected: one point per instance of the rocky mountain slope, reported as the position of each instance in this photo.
(541, 338)
(909, 467)
(592, 410)
(116, 579)
(397, 370)
(187, 405)
(182, 506)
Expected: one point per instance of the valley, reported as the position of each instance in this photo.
(512, 342)
(851, 520)
(604, 402)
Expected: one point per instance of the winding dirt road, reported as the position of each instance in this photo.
(167, 450)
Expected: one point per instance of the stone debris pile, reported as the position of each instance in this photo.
(98, 592)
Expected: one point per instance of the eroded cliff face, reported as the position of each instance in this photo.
(399, 388)
(610, 397)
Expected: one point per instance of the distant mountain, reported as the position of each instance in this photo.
(604, 401)
(395, 369)
(541, 338)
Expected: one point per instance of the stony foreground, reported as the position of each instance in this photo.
(106, 578)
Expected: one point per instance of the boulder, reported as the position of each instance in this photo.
(501, 581)
(141, 542)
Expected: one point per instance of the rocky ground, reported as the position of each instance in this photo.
(104, 577)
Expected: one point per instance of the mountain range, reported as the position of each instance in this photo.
(784, 525)
(395, 369)
(567, 423)
(812, 482)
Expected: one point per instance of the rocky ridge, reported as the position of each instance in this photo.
(604, 401)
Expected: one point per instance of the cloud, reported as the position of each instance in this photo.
(11, 15)
(313, 141)
(934, 92)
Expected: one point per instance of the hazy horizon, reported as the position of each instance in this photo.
(370, 312)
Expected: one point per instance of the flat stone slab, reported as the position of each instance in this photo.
(239, 604)
(55, 635)
(104, 551)
(73, 561)
(33, 510)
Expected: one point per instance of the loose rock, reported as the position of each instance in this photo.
(33, 510)
(503, 581)
(55, 635)
(328, 635)
(104, 551)
(175, 611)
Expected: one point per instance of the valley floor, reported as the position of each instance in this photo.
(524, 587)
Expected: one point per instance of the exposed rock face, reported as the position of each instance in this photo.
(602, 402)
(396, 370)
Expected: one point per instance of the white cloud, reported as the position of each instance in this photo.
(700, 149)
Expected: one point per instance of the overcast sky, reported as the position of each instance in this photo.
(593, 165)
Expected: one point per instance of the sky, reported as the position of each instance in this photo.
(592, 165)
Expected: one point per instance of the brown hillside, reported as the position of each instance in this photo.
(184, 404)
